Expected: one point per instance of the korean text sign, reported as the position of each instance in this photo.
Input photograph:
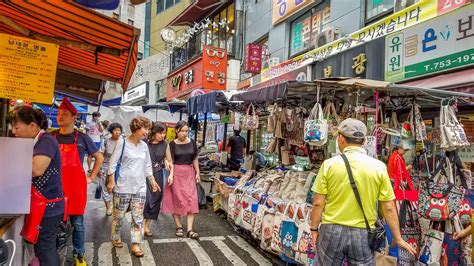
(27, 69)
(440, 44)
(285, 8)
(214, 67)
(253, 58)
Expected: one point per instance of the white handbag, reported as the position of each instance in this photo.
(276, 244)
(452, 132)
(305, 250)
(316, 127)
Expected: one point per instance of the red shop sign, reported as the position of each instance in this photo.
(253, 58)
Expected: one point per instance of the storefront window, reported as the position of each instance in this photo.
(375, 8)
(304, 30)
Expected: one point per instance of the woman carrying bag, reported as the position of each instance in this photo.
(161, 159)
(181, 198)
(47, 200)
(132, 163)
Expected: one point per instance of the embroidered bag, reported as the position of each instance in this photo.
(432, 248)
(316, 127)
(452, 132)
(305, 249)
(251, 119)
(276, 244)
(289, 237)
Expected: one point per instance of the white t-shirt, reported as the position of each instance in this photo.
(93, 130)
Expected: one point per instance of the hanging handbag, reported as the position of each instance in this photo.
(330, 114)
(272, 146)
(418, 124)
(289, 236)
(452, 132)
(276, 245)
(316, 127)
(272, 119)
(376, 236)
(410, 231)
(251, 118)
(305, 249)
(432, 248)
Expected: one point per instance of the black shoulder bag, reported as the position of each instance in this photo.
(376, 236)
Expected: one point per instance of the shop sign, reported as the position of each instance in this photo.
(136, 93)
(183, 82)
(412, 15)
(28, 69)
(442, 44)
(214, 66)
(282, 9)
(253, 58)
(300, 74)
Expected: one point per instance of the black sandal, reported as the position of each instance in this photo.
(179, 232)
(193, 235)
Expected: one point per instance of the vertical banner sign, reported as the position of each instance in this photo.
(253, 58)
(441, 44)
(27, 69)
(412, 15)
(214, 67)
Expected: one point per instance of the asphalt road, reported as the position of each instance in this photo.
(219, 244)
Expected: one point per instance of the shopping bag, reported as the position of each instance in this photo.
(382, 258)
(245, 216)
(432, 248)
(316, 127)
(289, 237)
(410, 231)
(330, 114)
(272, 119)
(276, 245)
(259, 211)
(451, 253)
(452, 132)
(251, 118)
(267, 228)
(305, 250)
(419, 124)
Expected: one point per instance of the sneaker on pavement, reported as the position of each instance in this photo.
(79, 261)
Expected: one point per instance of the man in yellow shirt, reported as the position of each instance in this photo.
(343, 232)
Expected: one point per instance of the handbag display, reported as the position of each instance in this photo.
(272, 119)
(251, 118)
(316, 127)
(432, 248)
(330, 114)
(376, 236)
(267, 229)
(452, 132)
(276, 244)
(417, 121)
(289, 237)
(305, 249)
(410, 231)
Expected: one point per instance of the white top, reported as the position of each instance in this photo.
(107, 147)
(93, 131)
(136, 166)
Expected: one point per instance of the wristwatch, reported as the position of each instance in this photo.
(314, 229)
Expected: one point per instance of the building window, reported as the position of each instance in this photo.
(304, 30)
(162, 5)
(130, 22)
(377, 8)
(116, 16)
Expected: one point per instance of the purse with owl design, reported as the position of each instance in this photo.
(289, 237)
(410, 231)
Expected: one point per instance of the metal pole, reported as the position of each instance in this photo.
(224, 139)
(415, 161)
(180, 115)
(204, 131)
(3, 121)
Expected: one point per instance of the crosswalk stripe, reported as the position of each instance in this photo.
(228, 253)
(123, 255)
(148, 259)
(241, 243)
(196, 248)
(105, 254)
(89, 255)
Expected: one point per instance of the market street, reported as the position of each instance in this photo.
(219, 244)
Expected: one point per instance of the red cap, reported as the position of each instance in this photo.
(67, 105)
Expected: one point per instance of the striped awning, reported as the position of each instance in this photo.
(91, 44)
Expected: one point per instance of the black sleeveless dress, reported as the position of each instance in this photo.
(153, 199)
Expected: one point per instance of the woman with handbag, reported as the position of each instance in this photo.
(160, 159)
(107, 148)
(181, 198)
(47, 200)
(130, 167)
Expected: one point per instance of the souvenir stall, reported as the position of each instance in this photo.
(273, 205)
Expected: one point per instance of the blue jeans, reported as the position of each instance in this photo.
(78, 235)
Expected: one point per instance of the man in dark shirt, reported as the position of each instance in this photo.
(67, 115)
(237, 148)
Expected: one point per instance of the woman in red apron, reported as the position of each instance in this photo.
(47, 202)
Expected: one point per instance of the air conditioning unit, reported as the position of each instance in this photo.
(272, 61)
(327, 36)
(402, 4)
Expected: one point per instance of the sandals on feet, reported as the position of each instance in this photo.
(117, 243)
(148, 233)
(179, 232)
(137, 253)
(193, 235)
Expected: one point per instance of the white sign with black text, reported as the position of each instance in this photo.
(138, 92)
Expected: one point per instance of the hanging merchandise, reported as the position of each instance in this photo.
(259, 214)
(272, 119)
(418, 122)
(452, 132)
(330, 113)
(451, 252)
(272, 146)
(316, 127)
(410, 231)
(276, 244)
(268, 222)
(251, 118)
(393, 140)
(406, 130)
(285, 155)
(305, 249)
(431, 251)
(289, 237)
(280, 125)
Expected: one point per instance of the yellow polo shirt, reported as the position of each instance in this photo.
(372, 181)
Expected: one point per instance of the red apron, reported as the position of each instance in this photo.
(74, 178)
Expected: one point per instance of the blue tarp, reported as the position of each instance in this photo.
(99, 4)
(112, 102)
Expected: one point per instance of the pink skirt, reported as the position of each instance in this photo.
(181, 197)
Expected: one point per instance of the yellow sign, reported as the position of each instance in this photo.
(285, 8)
(359, 64)
(27, 69)
(414, 14)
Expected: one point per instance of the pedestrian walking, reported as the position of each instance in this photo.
(74, 146)
(180, 198)
(237, 149)
(130, 184)
(107, 148)
(94, 130)
(343, 232)
(161, 159)
(46, 185)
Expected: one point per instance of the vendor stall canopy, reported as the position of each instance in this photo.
(342, 87)
(91, 44)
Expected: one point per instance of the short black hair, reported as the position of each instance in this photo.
(27, 115)
(237, 131)
(96, 114)
(114, 126)
(356, 141)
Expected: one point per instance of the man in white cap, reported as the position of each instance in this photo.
(343, 232)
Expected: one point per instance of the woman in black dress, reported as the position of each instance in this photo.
(160, 159)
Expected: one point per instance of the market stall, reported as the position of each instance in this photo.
(300, 120)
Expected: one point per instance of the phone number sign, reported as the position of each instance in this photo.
(443, 43)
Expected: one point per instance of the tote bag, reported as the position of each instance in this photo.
(305, 250)
(268, 221)
(276, 244)
(289, 237)
(260, 212)
(431, 250)
(452, 132)
(316, 127)
(251, 118)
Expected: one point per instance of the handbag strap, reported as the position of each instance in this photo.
(354, 188)
(119, 164)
